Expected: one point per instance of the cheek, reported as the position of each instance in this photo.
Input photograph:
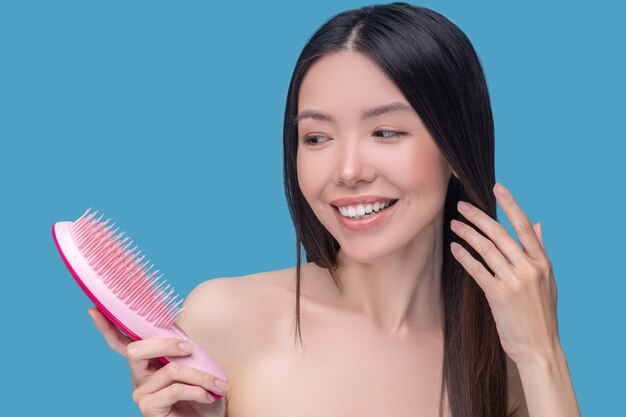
(422, 168)
(309, 178)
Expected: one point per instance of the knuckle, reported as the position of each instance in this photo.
(136, 397)
(171, 345)
(526, 226)
(475, 268)
(536, 275)
(536, 272)
(500, 232)
(135, 383)
(175, 391)
(207, 380)
(200, 393)
(143, 405)
(546, 263)
(487, 248)
(173, 370)
(131, 350)
(515, 287)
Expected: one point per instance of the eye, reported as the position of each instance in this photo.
(392, 133)
(311, 140)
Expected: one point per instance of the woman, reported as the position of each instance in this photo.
(388, 130)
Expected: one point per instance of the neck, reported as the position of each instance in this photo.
(401, 293)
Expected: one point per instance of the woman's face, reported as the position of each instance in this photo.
(386, 156)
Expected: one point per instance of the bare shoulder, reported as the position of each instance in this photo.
(231, 316)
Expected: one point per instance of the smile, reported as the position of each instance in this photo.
(364, 216)
(360, 211)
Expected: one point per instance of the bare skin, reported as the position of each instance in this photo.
(375, 350)
(347, 367)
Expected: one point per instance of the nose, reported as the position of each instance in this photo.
(353, 165)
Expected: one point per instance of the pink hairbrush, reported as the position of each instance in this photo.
(138, 303)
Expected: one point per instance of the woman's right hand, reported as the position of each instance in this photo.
(172, 390)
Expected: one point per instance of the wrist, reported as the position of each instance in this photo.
(549, 358)
(547, 383)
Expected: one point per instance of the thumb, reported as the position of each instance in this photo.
(538, 231)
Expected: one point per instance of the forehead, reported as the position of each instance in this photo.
(346, 84)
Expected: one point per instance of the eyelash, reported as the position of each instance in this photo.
(307, 139)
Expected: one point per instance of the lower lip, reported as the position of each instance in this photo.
(365, 223)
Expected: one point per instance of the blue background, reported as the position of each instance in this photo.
(167, 117)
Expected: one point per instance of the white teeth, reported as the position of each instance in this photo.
(359, 210)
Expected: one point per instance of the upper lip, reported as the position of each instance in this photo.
(359, 199)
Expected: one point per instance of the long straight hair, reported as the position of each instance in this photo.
(437, 69)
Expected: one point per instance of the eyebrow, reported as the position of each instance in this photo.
(376, 111)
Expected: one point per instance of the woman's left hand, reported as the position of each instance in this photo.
(522, 294)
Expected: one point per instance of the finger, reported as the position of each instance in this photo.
(114, 338)
(497, 233)
(476, 269)
(537, 227)
(161, 402)
(521, 223)
(173, 372)
(140, 353)
(489, 252)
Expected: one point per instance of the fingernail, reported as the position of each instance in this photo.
(463, 206)
(185, 347)
(500, 190)
(221, 384)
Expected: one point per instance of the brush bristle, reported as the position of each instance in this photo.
(121, 270)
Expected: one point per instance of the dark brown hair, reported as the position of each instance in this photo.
(437, 69)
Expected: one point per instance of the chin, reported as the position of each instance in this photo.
(365, 254)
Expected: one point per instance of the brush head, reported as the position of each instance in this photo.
(122, 270)
(140, 303)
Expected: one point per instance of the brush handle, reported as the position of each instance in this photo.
(198, 359)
